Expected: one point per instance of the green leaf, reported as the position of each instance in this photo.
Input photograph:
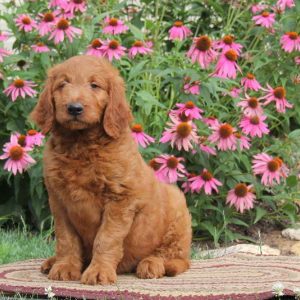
(294, 134)
(136, 70)
(291, 211)
(245, 160)
(45, 61)
(292, 181)
(194, 223)
(209, 206)
(238, 222)
(243, 237)
(260, 212)
(136, 32)
(213, 231)
(147, 101)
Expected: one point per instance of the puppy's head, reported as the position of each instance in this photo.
(81, 93)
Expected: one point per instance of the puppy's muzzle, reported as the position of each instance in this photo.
(75, 109)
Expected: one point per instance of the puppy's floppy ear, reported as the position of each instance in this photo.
(43, 113)
(117, 114)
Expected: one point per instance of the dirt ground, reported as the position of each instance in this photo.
(274, 239)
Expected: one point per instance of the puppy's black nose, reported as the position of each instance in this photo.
(75, 109)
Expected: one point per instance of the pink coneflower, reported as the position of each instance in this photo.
(265, 19)
(94, 48)
(202, 52)
(242, 141)
(254, 125)
(154, 164)
(211, 121)
(63, 28)
(226, 66)
(208, 149)
(75, 5)
(179, 31)
(251, 106)
(278, 95)
(224, 136)
(40, 48)
(3, 53)
(47, 23)
(283, 4)
(255, 8)
(189, 109)
(234, 92)
(178, 117)
(227, 43)
(114, 26)
(170, 168)
(58, 3)
(112, 49)
(139, 47)
(186, 186)
(17, 158)
(297, 60)
(34, 137)
(24, 22)
(140, 136)
(250, 82)
(22, 140)
(21, 88)
(290, 41)
(205, 148)
(180, 134)
(192, 88)
(241, 197)
(270, 168)
(206, 181)
(27, 141)
(62, 13)
(3, 36)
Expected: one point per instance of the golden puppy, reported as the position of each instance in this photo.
(111, 214)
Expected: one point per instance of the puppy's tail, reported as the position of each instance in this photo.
(176, 266)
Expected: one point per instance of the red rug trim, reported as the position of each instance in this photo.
(63, 292)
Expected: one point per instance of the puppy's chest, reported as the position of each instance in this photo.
(78, 178)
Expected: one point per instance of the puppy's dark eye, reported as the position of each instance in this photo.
(94, 85)
(62, 84)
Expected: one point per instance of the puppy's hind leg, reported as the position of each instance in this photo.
(172, 257)
(176, 266)
(151, 267)
(169, 260)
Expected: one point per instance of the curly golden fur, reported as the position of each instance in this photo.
(111, 214)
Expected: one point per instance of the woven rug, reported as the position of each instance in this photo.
(238, 276)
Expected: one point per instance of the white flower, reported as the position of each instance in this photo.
(297, 292)
(49, 293)
(277, 289)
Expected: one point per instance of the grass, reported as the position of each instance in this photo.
(18, 297)
(21, 245)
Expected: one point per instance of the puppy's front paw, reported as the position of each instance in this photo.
(150, 267)
(47, 264)
(95, 274)
(65, 271)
